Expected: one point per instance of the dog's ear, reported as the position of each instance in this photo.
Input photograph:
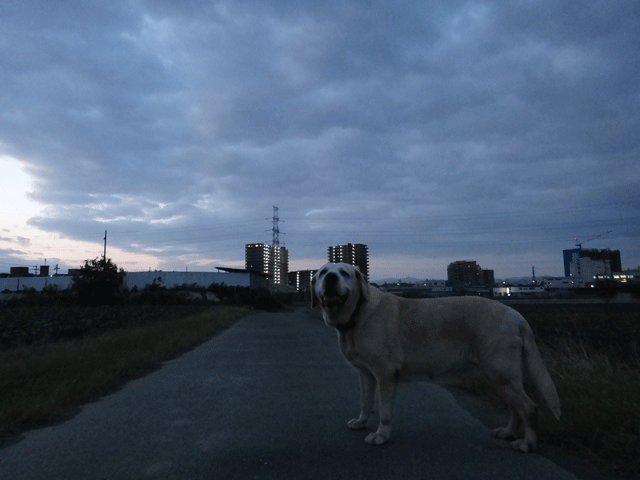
(364, 284)
(315, 301)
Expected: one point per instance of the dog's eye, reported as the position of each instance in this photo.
(344, 273)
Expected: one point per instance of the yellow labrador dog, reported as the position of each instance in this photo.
(389, 339)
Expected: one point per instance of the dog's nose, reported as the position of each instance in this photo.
(330, 282)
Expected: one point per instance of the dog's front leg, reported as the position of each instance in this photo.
(387, 385)
(367, 397)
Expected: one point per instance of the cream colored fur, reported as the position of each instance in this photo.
(389, 339)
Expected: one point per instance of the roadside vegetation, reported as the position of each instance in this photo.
(60, 349)
(592, 353)
(45, 379)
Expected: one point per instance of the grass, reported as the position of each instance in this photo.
(41, 381)
(592, 356)
(600, 410)
(591, 353)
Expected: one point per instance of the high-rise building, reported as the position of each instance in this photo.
(355, 254)
(301, 279)
(463, 272)
(468, 272)
(265, 259)
(280, 270)
(257, 257)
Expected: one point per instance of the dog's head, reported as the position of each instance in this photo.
(338, 288)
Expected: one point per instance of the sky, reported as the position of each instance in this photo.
(431, 131)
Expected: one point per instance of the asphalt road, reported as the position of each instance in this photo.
(268, 398)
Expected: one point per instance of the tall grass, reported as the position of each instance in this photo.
(592, 355)
(41, 381)
(600, 410)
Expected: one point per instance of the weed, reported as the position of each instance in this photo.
(600, 408)
(591, 353)
(40, 381)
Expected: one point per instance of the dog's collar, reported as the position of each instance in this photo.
(345, 327)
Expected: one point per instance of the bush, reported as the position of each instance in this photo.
(98, 282)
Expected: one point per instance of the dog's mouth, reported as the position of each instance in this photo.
(334, 303)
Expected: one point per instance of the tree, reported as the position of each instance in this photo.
(98, 282)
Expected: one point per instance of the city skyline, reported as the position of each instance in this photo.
(430, 131)
(586, 265)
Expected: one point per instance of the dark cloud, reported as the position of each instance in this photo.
(435, 129)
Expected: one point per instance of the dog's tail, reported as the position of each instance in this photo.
(537, 372)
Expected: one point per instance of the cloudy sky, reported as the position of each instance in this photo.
(432, 131)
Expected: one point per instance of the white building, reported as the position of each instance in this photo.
(16, 284)
(627, 276)
(141, 280)
(228, 276)
(518, 291)
(553, 283)
(589, 269)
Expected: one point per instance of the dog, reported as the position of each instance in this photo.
(390, 339)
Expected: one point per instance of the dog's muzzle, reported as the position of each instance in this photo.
(334, 302)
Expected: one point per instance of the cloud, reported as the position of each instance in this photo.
(435, 130)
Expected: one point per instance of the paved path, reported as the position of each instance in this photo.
(269, 398)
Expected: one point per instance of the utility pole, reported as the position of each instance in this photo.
(104, 257)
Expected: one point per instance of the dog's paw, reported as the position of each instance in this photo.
(376, 439)
(503, 433)
(357, 424)
(522, 446)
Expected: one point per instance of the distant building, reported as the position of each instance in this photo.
(611, 256)
(568, 257)
(301, 279)
(468, 272)
(355, 254)
(562, 283)
(229, 277)
(627, 276)
(590, 264)
(267, 260)
(486, 277)
(511, 291)
(19, 271)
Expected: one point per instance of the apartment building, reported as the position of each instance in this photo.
(355, 254)
(265, 259)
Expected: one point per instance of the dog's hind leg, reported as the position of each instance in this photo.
(524, 410)
(504, 370)
(511, 430)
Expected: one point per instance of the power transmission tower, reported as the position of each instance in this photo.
(275, 243)
(277, 270)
